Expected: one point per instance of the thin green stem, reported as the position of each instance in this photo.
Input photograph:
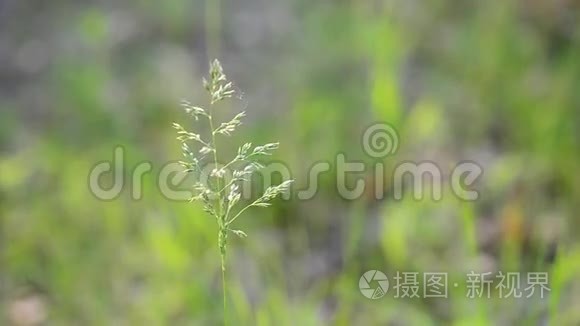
(226, 186)
(236, 160)
(215, 158)
(223, 256)
(222, 237)
(240, 213)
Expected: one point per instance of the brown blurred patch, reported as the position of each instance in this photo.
(27, 311)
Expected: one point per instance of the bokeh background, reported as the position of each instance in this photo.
(496, 82)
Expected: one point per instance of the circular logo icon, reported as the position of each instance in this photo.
(373, 284)
(380, 140)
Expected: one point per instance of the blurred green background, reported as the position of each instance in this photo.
(496, 82)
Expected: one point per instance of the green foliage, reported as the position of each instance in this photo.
(492, 81)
